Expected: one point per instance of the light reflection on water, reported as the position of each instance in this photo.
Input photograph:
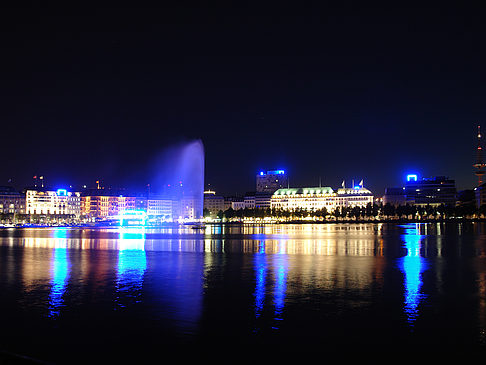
(278, 275)
(132, 264)
(60, 272)
(412, 265)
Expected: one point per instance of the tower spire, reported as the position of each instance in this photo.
(479, 165)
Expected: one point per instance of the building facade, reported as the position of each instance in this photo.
(316, 198)
(430, 191)
(50, 202)
(271, 181)
(157, 207)
(11, 201)
(395, 196)
(213, 203)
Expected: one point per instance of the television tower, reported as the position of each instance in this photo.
(479, 165)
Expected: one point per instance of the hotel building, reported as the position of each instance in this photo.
(316, 198)
(53, 202)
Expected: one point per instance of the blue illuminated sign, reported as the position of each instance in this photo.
(61, 192)
(412, 177)
(275, 172)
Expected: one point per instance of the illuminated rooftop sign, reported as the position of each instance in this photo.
(412, 177)
(61, 192)
(273, 172)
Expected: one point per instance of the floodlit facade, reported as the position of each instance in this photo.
(59, 202)
(316, 198)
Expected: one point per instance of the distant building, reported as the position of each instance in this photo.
(395, 196)
(249, 200)
(480, 193)
(238, 203)
(158, 207)
(11, 201)
(53, 202)
(263, 200)
(271, 181)
(430, 191)
(213, 203)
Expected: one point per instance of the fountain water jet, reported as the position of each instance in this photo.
(180, 177)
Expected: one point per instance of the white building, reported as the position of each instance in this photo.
(59, 202)
(313, 198)
(159, 208)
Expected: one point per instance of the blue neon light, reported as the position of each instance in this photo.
(276, 172)
(61, 192)
(412, 177)
(412, 265)
(262, 173)
(356, 187)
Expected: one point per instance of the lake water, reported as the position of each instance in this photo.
(71, 294)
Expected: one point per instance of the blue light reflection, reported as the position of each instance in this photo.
(261, 275)
(277, 265)
(281, 269)
(132, 264)
(60, 267)
(412, 265)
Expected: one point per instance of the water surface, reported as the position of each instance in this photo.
(97, 294)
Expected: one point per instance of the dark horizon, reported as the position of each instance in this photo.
(326, 94)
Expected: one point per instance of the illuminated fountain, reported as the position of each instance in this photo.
(180, 178)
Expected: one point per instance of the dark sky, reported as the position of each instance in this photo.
(331, 92)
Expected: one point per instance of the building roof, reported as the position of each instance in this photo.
(302, 191)
(354, 191)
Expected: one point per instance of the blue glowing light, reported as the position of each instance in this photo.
(61, 192)
(356, 187)
(412, 265)
(262, 173)
(133, 218)
(412, 177)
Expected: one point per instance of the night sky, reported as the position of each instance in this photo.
(330, 93)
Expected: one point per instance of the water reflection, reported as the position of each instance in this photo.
(261, 275)
(132, 264)
(412, 265)
(277, 264)
(60, 271)
(280, 267)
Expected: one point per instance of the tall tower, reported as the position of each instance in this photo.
(479, 165)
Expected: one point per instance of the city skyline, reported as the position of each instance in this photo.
(326, 94)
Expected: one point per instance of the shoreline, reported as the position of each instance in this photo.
(303, 222)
